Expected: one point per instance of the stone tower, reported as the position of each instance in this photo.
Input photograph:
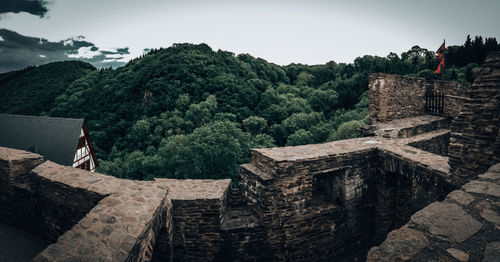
(475, 133)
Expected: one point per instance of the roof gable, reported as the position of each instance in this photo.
(53, 137)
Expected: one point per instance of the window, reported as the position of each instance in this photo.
(83, 157)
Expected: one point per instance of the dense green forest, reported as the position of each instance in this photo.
(188, 111)
(32, 91)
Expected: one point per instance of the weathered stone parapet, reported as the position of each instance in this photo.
(295, 204)
(436, 142)
(417, 158)
(409, 180)
(67, 194)
(121, 227)
(80, 179)
(98, 217)
(245, 238)
(395, 97)
(256, 187)
(95, 217)
(18, 204)
(15, 165)
(198, 208)
(407, 127)
(285, 157)
(464, 227)
(326, 200)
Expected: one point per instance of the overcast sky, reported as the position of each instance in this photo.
(282, 32)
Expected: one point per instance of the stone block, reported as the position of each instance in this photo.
(447, 221)
(401, 245)
(461, 197)
(483, 187)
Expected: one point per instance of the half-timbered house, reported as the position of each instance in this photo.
(65, 141)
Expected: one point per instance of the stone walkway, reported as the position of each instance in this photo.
(407, 127)
(464, 227)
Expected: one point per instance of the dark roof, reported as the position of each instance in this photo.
(53, 137)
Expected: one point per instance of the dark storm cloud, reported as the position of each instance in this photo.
(18, 51)
(34, 7)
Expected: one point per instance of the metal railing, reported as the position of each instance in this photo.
(434, 102)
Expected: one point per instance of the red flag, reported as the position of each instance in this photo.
(440, 53)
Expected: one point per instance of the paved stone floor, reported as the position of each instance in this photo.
(464, 227)
(17, 245)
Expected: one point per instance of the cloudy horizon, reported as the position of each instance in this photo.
(110, 33)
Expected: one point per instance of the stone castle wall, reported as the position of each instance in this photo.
(334, 200)
(475, 135)
(292, 202)
(85, 215)
(93, 217)
(466, 225)
(438, 144)
(34, 202)
(395, 97)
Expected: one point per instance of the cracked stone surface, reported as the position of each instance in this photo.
(470, 232)
(486, 210)
(483, 187)
(461, 197)
(458, 254)
(491, 175)
(191, 189)
(447, 221)
(400, 245)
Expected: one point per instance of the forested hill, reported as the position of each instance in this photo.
(33, 90)
(188, 111)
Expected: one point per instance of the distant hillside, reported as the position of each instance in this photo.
(33, 90)
(188, 111)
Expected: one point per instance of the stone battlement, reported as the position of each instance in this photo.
(296, 202)
(396, 97)
(94, 217)
(322, 202)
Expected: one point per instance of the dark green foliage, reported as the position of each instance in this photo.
(32, 91)
(300, 137)
(190, 112)
(255, 125)
(472, 51)
(346, 130)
